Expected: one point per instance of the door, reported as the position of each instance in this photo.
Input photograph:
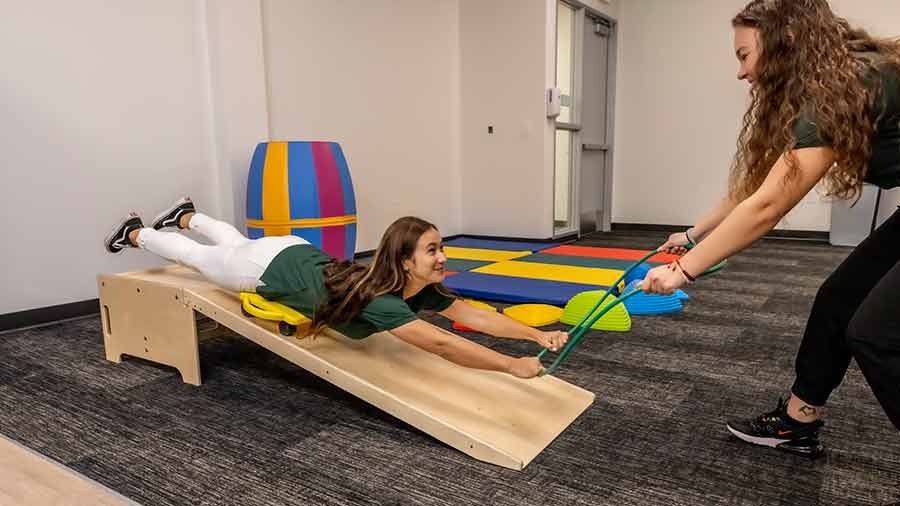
(585, 77)
(594, 182)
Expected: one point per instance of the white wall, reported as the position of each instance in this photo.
(506, 187)
(680, 104)
(104, 108)
(678, 109)
(382, 79)
(114, 107)
(237, 83)
(110, 106)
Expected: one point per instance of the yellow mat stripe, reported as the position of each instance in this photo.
(568, 273)
(487, 255)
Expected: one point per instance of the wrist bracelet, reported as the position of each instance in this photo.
(687, 276)
(687, 235)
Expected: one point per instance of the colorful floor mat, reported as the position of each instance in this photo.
(512, 289)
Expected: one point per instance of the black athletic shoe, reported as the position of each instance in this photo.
(171, 217)
(117, 240)
(775, 429)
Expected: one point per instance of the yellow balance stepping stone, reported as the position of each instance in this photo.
(534, 315)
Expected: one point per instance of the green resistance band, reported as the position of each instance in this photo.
(579, 330)
(576, 332)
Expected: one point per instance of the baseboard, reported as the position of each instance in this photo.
(51, 314)
(803, 235)
(509, 238)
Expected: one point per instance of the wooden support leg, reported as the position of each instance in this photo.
(149, 321)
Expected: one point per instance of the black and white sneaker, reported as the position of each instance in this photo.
(117, 240)
(171, 217)
(776, 429)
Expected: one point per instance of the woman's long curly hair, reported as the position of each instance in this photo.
(807, 66)
(351, 286)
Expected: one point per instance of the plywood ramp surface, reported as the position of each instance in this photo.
(491, 416)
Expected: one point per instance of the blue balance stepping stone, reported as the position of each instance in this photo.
(640, 272)
(653, 304)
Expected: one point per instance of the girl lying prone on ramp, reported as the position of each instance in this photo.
(354, 299)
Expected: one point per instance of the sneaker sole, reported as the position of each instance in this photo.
(771, 442)
(112, 235)
(775, 443)
(166, 212)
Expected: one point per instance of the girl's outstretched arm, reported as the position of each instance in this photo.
(461, 351)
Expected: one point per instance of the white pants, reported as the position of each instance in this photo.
(233, 261)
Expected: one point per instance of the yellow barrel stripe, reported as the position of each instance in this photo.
(331, 221)
(276, 199)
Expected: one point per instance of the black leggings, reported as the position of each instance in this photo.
(857, 314)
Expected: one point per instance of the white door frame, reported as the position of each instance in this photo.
(581, 11)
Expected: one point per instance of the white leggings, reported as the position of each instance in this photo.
(233, 262)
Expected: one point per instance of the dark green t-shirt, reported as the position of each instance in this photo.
(884, 166)
(294, 278)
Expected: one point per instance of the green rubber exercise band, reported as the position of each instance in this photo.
(579, 330)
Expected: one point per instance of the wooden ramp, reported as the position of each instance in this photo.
(490, 416)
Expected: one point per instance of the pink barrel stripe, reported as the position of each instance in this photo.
(331, 197)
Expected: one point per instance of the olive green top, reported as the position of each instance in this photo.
(884, 166)
(294, 278)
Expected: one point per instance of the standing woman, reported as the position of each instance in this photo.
(824, 107)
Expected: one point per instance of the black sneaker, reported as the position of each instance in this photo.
(775, 429)
(171, 217)
(118, 240)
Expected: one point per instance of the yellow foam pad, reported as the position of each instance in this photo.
(260, 307)
(567, 273)
(487, 255)
(480, 305)
(534, 315)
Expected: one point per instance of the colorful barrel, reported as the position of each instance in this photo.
(303, 189)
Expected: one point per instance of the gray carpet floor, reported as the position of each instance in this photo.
(261, 431)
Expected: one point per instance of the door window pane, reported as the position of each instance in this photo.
(562, 187)
(565, 59)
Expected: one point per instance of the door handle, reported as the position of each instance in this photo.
(595, 147)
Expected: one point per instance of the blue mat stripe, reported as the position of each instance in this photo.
(517, 290)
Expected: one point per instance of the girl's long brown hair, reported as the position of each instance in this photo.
(807, 67)
(351, 286)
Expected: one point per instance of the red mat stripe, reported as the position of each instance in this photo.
(616, 253)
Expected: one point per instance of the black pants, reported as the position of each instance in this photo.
(857, 314)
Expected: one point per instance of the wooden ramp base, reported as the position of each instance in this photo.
(490, 416)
